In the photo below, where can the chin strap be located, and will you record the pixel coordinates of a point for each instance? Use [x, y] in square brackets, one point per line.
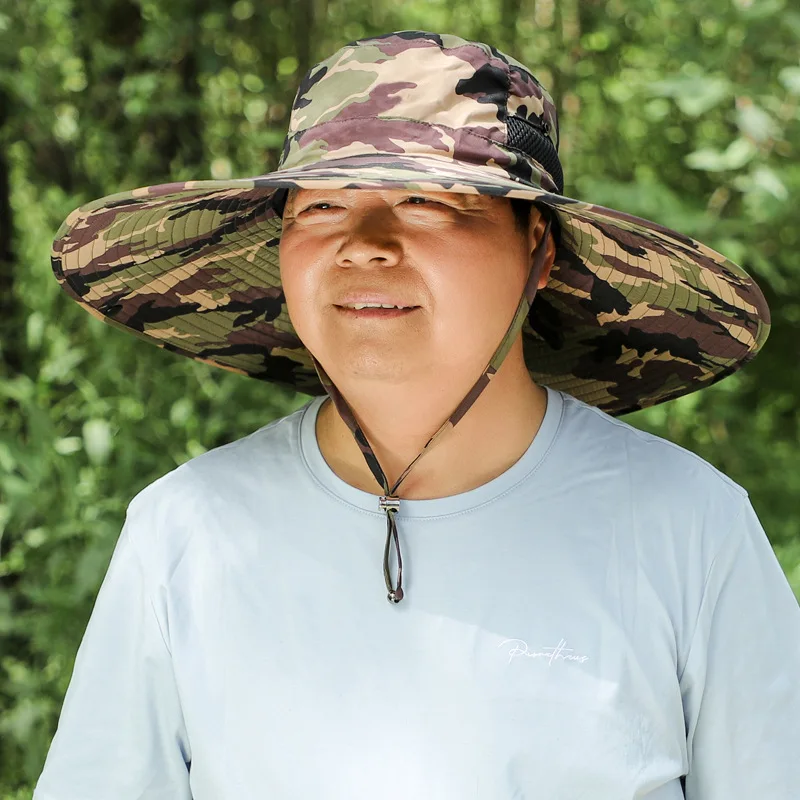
[389, 502]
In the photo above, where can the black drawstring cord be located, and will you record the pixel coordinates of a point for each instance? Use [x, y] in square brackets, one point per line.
[391, 505]
[389, 502]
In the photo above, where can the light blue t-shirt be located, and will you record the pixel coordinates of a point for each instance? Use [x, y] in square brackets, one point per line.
[604, 617]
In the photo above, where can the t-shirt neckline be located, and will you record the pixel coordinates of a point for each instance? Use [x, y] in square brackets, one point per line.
[440, 506]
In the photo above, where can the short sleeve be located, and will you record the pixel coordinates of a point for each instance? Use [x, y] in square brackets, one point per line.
[741, 683]
[121, 733]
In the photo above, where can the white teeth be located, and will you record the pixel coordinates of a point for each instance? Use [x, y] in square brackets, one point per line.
[359, 306]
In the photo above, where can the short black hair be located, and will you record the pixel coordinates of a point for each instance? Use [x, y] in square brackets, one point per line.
[522, 212]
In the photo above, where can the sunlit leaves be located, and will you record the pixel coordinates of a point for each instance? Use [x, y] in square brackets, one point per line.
[738, 153]
[693, 93]
[97, 440]
[754, 122]
[790, 78]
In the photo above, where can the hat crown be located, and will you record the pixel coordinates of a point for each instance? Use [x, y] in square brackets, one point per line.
[421, 93]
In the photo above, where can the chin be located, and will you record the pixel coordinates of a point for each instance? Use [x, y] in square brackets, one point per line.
[370, 364]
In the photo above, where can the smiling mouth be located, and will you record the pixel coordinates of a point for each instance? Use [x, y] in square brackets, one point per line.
[376, 312]
[372, 304]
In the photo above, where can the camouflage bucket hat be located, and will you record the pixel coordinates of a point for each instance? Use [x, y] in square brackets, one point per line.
[633, 314]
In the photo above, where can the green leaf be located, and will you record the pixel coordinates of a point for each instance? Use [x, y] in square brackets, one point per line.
[242, 10]
[273, 138]
[753, 121]
[693, 94]
[97, 440]
[35, 537]
[738, 153]
[287, 66]
[766, 180]
[255, 110]
[181, 411]
[68, 445]
[759, 9]
[7, 461]
[790, 78]
[34, 330]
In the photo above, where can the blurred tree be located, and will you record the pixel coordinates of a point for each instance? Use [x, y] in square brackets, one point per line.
[688, 115]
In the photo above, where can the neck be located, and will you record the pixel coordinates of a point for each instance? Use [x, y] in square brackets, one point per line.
[399, 421]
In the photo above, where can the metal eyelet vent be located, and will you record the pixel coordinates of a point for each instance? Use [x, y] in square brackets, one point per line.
[525, 136]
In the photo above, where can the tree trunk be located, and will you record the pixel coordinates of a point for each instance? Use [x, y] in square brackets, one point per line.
[303, 12]
[11, 343]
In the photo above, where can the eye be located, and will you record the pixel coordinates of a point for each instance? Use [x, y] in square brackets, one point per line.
[414, 200]
[418, 200]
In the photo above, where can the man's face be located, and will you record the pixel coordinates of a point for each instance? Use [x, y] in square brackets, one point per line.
[456, 262]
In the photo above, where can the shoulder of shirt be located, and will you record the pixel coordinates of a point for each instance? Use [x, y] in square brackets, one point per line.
[195, 471]
[651, 460]
[174, 504]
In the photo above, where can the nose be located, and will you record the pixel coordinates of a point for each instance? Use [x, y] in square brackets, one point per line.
[371, 240]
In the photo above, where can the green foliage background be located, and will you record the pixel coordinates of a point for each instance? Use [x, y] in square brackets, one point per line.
[684, 113]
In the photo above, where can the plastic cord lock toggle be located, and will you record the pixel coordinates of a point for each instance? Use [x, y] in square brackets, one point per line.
[389, 503]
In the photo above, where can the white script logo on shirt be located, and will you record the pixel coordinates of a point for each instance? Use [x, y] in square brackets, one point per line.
[520, 648]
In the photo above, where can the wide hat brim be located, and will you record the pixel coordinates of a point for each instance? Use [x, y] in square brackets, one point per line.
[633, 314]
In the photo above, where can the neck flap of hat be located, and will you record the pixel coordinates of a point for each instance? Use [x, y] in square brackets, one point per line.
[389, 502]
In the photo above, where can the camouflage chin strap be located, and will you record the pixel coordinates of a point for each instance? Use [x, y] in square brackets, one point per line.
[390, 502]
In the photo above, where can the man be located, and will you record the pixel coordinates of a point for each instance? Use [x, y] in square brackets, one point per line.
[578, 609]
[404, 370]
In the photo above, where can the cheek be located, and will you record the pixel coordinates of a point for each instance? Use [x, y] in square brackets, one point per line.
[476, 292]
[300, 282]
